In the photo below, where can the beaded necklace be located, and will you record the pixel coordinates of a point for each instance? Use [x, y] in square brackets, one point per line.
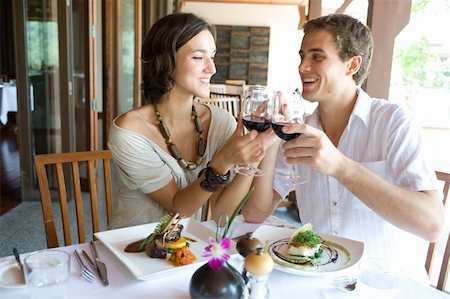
[172, 146]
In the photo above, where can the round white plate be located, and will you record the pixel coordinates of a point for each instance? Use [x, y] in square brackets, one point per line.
[349, 252]
[10, 275]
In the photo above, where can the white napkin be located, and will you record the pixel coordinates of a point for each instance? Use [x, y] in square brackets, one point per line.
[240, 227]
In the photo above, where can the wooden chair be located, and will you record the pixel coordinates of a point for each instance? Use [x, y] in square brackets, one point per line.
[433, 247]
[229, 102]
[232, 87]
[74, 159]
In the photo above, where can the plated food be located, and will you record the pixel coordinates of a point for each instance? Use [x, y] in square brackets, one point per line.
[337, 254]
[166, 242]
[307, 250]
[140, 264]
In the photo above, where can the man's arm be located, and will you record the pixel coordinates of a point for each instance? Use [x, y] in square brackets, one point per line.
[421, 213]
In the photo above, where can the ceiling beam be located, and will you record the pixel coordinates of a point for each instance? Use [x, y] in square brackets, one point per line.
[277, 2]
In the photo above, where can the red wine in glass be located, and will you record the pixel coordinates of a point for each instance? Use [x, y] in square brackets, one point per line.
[288, 109]
[278, 129]
[256, 110]
[258, 124]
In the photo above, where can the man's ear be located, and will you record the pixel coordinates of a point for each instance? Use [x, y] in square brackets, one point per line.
[354, 65]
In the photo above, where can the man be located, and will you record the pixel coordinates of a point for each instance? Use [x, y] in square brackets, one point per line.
[367, 178]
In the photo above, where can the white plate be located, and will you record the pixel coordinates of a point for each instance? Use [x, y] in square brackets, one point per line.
[349, 252]
[10, 274]
[140, 264]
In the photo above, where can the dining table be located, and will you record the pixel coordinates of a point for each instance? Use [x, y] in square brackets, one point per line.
[8, 100]
[175, 285]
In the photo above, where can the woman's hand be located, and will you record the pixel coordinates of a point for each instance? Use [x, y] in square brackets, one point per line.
[243, 148]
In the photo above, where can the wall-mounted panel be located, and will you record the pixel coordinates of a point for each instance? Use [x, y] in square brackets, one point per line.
[242, 54]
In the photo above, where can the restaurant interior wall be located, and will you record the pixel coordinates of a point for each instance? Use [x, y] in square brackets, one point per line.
[285, 37]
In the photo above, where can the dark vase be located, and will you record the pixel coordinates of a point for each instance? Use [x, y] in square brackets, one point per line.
[225, 283]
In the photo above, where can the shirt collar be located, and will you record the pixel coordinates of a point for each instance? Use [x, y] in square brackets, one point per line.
[361, 111]
[362, 107]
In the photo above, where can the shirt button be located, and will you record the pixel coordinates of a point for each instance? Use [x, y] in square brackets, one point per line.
[334, 203]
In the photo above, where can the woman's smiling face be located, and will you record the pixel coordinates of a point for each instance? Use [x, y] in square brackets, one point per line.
[195, 65]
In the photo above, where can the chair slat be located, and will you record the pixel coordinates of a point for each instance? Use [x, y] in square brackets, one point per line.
[93, 196]
[108, 188]
[63, 203]
[78, 201]
[47, 209]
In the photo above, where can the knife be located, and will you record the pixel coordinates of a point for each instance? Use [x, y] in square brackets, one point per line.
[101, 267]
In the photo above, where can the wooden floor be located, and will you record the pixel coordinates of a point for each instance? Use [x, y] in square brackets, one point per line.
[9, 170]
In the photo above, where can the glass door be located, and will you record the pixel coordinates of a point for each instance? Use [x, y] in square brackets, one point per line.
[57, 111]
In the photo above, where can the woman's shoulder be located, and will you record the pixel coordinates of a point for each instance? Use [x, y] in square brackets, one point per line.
[136, 120]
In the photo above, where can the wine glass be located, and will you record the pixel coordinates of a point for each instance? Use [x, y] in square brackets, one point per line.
[257, 107]
[288, 108]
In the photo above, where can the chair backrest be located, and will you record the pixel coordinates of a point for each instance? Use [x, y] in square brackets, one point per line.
[434, 247]
[74, 159]
[232, 87]
[229, 102]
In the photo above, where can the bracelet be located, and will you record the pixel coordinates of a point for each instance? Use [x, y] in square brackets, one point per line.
[213, 181]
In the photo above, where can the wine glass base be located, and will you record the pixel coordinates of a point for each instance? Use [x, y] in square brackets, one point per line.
[248, 170]
[292, 180]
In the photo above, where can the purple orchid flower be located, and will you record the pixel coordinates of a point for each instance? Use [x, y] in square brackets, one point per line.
[218, 252]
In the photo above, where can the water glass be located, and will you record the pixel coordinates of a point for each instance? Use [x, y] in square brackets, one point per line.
[378, 278]
[47, 274]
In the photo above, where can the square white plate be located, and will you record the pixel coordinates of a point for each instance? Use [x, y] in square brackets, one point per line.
[349, 251]
[140, 264]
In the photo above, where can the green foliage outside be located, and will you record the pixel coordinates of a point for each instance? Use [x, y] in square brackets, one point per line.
[420, 66]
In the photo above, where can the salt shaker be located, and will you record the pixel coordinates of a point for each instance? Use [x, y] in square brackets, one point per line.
[259, 265]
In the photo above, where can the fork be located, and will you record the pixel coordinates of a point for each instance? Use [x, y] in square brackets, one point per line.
[85, 274]
[345, 283]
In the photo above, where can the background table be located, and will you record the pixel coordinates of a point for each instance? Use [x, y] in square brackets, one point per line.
[8, 101]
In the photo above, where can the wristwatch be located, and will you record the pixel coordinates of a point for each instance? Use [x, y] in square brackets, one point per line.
[213, 181]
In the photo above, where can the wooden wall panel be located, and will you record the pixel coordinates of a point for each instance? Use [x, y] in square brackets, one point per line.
[242, 54]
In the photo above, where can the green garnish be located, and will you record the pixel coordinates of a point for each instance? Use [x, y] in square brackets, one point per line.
[308, 237]
[164, 222]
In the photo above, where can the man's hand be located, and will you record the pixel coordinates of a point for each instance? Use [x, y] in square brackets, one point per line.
[312, 148]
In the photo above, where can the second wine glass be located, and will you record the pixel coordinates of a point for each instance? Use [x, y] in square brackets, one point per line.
[288, 108]
[257, 108]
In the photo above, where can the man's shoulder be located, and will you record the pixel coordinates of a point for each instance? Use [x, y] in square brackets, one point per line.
[383, 106]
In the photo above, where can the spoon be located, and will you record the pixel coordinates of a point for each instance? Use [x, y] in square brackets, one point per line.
[16, 254]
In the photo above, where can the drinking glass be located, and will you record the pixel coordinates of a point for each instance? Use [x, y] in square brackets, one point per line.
[288, 108]
[257, 106]
[47, 274]
[379, 278]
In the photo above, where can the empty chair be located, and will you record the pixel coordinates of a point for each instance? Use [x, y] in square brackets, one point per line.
[75, 159]
[445, 242]
[229, 102]
[218, 87]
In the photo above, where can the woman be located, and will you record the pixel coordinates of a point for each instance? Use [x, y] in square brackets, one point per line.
[152, 144]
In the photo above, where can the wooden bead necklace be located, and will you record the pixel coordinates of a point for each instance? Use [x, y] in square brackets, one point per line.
[172, 146]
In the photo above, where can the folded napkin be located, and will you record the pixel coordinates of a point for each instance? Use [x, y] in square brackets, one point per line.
[240, 227]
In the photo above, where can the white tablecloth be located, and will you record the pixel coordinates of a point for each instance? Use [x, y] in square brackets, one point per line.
[8, 101]
[176, 286]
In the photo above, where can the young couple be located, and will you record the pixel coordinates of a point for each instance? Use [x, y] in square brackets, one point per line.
[367, 175]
